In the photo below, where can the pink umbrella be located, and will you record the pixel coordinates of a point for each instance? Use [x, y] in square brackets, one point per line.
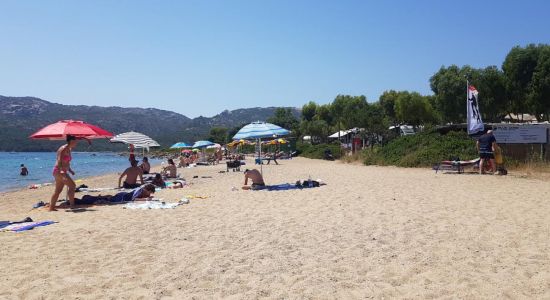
[79, 129]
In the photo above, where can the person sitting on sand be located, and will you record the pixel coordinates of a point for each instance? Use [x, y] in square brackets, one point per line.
[24, 170]
[256, 178]
[132, 173]
[170, 171]
[145, 166]
[157, 181]
[139, 194]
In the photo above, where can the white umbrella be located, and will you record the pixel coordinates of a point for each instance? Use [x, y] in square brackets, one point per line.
[139, 140]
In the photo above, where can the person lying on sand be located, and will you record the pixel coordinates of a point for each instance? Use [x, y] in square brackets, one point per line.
[256, 178]
[140, 194]
[178, 184]
[132, 173]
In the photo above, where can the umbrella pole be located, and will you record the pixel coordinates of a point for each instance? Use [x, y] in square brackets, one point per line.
[260, 157]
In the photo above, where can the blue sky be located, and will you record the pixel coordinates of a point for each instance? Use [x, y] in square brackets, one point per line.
[201, 57]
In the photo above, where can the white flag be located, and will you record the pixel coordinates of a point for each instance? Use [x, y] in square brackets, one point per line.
[475, 124]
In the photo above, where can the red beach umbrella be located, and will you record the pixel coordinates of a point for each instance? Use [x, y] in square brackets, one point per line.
[79, 129]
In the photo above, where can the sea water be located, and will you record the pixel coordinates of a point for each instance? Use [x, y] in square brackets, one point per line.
[40, 166]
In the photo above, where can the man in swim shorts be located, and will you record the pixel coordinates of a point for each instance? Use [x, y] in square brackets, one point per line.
[486, 145]
[257, 180]
[132, 173]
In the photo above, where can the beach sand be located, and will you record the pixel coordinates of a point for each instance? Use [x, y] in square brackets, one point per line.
[371, 232]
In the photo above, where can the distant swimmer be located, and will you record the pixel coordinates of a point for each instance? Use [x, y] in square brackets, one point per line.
[24, 170]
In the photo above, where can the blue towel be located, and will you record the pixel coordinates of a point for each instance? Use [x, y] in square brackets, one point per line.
[31, 225]
[281, 187]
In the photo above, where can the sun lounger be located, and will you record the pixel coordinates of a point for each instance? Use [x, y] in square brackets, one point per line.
[456, 165]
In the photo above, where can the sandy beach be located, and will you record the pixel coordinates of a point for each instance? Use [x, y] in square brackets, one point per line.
[371, 232]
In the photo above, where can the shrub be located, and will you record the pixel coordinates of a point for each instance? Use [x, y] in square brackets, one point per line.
[318, 151]
[422, 150]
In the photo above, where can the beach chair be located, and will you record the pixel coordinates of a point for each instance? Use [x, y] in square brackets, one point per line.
[456, 165]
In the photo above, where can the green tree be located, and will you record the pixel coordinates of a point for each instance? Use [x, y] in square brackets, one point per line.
[309, 110]
[414, 109]
[539, 94]
[218, 135]
[449, 87]
[519, 67]
[387, 103]
[285, 118]
[491, 85]
[318, 129]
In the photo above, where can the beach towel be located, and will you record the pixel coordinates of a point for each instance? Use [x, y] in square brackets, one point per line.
[4, 224]
[281, 187]
[151, 205]
[288, 186]
[25, 226]
[91, 190]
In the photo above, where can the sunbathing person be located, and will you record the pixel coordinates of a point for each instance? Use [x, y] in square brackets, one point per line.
[157, 181]
[139, 194]
[170, 171]
[145, 165]
[257, 180]
[178, 184]
[132, 173]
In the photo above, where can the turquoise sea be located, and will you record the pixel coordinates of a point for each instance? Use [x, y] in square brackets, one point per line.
[40, 165]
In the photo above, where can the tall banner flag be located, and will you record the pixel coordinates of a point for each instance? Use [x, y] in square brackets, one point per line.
[475, 124]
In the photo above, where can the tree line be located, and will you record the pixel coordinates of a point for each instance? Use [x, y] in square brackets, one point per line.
[521, 85]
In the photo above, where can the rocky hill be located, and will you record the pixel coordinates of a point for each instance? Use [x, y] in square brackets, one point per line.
[21, 116]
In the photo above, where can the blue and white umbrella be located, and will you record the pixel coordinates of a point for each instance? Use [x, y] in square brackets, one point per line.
[259, 130]
[202, 144]
[180, 145]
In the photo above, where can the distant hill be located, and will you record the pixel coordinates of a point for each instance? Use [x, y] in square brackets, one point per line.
[22, 116]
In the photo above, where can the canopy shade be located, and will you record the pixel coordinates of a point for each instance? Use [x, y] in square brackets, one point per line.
[180, 145]
[79, 129]
[202, 144]
[139, 140]
[258, 130]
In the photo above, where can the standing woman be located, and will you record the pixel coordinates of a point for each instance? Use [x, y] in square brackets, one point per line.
[60, 172]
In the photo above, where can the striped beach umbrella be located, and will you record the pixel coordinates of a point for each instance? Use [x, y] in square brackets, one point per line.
[260, 130]
[139, 140]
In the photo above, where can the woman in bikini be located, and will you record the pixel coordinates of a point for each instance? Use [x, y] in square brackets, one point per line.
[60, 172]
